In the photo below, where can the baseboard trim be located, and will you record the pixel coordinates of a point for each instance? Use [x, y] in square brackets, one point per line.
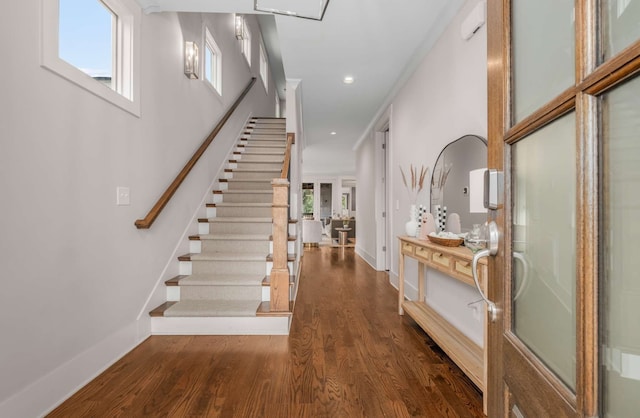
[371, 260]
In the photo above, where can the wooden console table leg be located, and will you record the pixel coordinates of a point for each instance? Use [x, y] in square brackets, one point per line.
[400, 281]
[420, 282]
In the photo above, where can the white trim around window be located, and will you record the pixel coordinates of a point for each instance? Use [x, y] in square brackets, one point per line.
[126, 54]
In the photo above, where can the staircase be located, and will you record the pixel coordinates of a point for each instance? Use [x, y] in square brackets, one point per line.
[223, 286]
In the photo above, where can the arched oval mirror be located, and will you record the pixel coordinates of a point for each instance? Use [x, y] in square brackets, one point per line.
[450, 178]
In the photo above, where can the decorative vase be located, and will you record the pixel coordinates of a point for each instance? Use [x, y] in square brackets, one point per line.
[411, 227]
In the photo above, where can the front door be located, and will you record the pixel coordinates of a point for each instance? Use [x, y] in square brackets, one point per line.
[564, 128]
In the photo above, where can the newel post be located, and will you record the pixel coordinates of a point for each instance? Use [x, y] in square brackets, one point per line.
[279, 277]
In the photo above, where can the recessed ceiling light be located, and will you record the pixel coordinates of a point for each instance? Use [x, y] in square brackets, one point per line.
[348, 80]
[333, 132]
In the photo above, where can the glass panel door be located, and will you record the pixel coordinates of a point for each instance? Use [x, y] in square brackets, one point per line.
[326, 200]
[543, 52]
[621, 25]
[620, 231]
[543, 244]
[307, 199]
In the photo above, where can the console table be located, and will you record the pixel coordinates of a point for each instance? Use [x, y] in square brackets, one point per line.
[456, 263]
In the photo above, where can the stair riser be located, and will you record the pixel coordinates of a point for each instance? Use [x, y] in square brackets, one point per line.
[246, 157]
[268, 121]
[267, 126]
[240, 228]
[213, 246]
[262, 148]
[221, 326]
[254, 175]
[220, 292]
[269, 132]
[248, 185]
[228, 267]
[291, 247]
[264, 140]
[248, 165]
[241, 212]
[247, 198]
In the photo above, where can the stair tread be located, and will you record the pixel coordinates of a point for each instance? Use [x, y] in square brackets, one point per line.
[249, 152]
[220, 256]
[231, 237]
[231, 219]
[240, 161]
[206, 308]
[254, 170]
[264, 310]
[248, 180]
[217, 280]
[290, 257]
[243, 204]
[244, 191]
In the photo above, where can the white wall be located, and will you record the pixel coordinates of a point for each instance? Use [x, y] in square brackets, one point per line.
[368, 179]
[444, 99]
[76, 272]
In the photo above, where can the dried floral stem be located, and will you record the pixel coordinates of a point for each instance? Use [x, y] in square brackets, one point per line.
[417, 181]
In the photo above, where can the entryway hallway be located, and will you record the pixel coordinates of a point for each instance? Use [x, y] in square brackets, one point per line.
[349, 354]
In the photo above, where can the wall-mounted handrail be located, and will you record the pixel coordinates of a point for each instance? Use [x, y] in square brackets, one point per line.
[173, 187]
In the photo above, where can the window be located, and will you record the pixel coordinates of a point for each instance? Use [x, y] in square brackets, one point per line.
[212, 62]
[94, 44]
[263, 67]
[246, 43]
[87, 42]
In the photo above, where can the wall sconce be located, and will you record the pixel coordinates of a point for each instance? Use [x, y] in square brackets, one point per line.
[239, 28]
[191, 59]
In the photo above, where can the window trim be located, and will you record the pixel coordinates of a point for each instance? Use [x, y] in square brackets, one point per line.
[210, 43]
[126, 55]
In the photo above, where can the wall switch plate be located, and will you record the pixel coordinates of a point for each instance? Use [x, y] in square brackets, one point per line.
[123, 198]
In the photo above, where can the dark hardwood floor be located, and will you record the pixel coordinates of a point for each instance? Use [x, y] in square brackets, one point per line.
[349, 354]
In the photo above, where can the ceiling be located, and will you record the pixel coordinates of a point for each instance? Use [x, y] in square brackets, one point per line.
[377, 42]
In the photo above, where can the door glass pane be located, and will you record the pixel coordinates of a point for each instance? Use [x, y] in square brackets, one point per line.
[544, 245]
[621, 25]
[326, 201]
[307, 199]
[542, 52]
[620, 263]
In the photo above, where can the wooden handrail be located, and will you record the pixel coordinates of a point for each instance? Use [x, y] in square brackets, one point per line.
[291, 139]
[173, 187]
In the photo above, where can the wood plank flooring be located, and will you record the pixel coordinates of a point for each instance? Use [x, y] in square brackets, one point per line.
[349, 355]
